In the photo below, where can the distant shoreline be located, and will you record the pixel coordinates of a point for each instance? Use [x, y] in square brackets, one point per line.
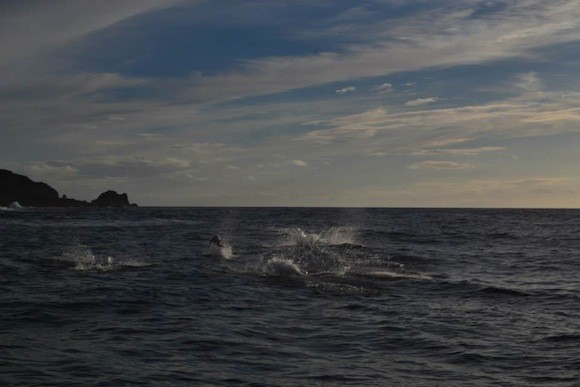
[15, 188]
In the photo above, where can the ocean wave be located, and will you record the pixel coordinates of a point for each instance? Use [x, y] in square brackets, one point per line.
[377, 273]
[337, 288]
[13, 208]
[565, 338]
[471, 358]
[476, 288]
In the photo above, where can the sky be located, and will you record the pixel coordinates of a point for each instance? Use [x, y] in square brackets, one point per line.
[378, 103]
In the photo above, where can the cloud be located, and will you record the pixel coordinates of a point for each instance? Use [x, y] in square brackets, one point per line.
[38, 29]
[529, 81]
[439, 165]
[421, 129]
[457, 151]
[119, 166]
[53, 169]
[421, 101]
[498, 186]
[437, 37]
[300, 163]
[445, 141]
[68, 86]
[385, 88]
[345, 90]
[356, 126]
[174, 163]
[444, 36]
[554, 116]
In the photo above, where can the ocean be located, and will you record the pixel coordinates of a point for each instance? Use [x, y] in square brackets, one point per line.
[296, 297]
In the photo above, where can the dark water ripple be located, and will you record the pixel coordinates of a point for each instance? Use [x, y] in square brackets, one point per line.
[304, 297]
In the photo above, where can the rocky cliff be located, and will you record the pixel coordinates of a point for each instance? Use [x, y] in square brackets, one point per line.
[19, 188]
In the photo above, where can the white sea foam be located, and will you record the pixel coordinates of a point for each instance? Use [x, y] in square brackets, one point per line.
[224, 251]
[330, 236]
[82, 258]
[14, 206]
[310, 253]
[338, 236]
[333, 252]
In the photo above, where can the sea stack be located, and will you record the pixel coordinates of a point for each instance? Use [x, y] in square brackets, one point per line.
[112, 199]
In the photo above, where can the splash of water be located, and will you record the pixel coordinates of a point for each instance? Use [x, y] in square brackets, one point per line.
[14, 206]
[224, 251]
[302, 253]
[332, 236]
[336, 236]
[82, 258]
[330, 253]
[282, 267]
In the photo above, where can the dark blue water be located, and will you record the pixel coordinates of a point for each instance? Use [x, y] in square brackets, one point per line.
[298, 297]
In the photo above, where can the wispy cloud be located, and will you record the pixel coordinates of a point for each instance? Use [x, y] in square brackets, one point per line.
[439, 165]
[38, 30]
[438, 37]
[52, 169]
[523, 115]
[385, 88]
[356, 126]
[457, 151]
[421, 101]
[300, 163]
[345, 90]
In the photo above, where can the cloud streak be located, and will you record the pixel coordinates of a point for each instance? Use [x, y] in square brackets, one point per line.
[345, 90]
[436, 38]
[37, 29]
[458, 151]
[439, 165]
[421, 101]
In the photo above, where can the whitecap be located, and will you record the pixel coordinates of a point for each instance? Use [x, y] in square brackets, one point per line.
[15, 206]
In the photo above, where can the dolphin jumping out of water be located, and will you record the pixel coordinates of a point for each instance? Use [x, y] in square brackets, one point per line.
[215, 241]
[218, 248]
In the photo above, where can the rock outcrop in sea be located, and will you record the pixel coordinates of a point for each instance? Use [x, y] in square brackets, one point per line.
[19, 188]
[111, 199]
